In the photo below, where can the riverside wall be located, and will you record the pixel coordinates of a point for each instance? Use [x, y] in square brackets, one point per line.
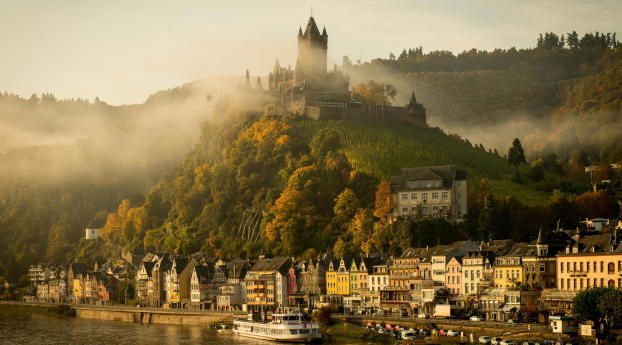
[152, 316]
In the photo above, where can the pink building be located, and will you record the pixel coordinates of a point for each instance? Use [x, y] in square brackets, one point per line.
[452, 276]
[291, 281]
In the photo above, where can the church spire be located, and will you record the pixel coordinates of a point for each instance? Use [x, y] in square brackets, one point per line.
[539, 241]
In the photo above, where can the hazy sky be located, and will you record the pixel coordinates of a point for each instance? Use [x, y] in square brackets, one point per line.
[124, 50]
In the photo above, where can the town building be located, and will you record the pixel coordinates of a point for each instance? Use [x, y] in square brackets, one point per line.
[198, 288]
[453, 276]
[439, 192]
[266, 286]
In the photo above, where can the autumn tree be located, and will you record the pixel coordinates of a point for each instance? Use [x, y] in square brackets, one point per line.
[374, 93]
[384, 202]
[346, 205]
[595, 204]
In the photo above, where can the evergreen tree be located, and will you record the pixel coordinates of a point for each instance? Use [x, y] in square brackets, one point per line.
[516, 155]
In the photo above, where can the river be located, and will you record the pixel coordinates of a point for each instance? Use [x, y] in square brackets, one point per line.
[25, 329]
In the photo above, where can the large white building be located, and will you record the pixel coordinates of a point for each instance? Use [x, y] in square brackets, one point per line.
[430, 192]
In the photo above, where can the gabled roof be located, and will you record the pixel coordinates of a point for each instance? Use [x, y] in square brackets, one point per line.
[447, 173]
[148, 267]
[277, 264]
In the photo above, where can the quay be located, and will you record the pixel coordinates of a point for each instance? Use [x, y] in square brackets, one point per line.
[142, 315]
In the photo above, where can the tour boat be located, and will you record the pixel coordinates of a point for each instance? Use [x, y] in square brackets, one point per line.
[286, 327]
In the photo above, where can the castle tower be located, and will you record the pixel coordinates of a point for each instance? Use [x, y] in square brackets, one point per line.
[312, 47]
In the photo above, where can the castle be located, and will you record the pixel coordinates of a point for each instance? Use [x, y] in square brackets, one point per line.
[312, 90]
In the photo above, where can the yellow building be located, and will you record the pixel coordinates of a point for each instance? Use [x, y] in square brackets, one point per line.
[508, 269]
[331, 278]
[343, 278]
[353, 278]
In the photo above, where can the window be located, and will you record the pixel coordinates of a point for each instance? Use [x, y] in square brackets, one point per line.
[459, 195]
[561, 267]
[541, 267]
[405, 209]
[587, 266]
[424, 196]
[435, 195]
[602, 268]
[444, 195]
[404, 196]
[611, 268]
[437, 184]
[561, 283]
[413, 196]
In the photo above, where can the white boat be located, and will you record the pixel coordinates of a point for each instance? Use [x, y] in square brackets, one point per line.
[286, 327]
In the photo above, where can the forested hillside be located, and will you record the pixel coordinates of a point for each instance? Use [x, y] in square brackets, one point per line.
[484, 95]
[295, 186]
[67, 163]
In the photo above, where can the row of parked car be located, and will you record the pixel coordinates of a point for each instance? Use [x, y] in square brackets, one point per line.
[500, 341]
[407, 333]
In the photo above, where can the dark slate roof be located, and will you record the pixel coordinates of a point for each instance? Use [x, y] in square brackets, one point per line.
[276, 264]
[181, 263]
[311, 29]
[237, 269]
[521, 249]
[78, 268]
[594, 243]
[149, 267]
[203, 272]
[447, 173]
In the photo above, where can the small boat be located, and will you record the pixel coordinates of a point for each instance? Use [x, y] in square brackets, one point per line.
[285, 327]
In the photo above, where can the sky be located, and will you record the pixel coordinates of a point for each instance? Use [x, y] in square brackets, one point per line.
[124, 50]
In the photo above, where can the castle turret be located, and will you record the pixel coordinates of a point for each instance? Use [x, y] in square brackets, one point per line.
[312, 48]
[413, 101]
[259, 87]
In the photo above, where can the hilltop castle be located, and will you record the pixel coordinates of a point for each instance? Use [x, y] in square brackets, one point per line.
[312, 90]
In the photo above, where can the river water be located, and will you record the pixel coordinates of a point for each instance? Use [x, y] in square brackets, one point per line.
[26, 329]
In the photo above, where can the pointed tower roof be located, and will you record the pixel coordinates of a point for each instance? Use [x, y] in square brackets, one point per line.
[259, 86]
[299, 32]
[540, 240]
[311, 30]
[412, 104]
[324, 32]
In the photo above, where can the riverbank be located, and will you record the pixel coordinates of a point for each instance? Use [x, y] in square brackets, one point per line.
[60, 310]
[123, 313]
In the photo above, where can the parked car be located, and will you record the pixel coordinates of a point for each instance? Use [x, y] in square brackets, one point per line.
[530, 343]
[496, 341]
[409, 335]
[512, 321]
[506, 342]
[475, 318]
[381, 331]
[452, 333]
[425, 332]
[442, 332]
[484, 340]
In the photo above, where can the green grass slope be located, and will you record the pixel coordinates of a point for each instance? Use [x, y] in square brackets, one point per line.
[382, 150]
